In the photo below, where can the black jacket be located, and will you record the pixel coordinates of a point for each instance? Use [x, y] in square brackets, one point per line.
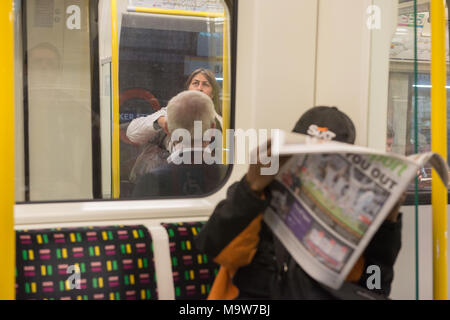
[267, 277]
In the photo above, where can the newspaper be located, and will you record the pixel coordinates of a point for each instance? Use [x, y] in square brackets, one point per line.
[330, 198]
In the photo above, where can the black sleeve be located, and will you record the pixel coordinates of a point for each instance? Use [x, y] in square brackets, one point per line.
[382, 251]
[230, 217]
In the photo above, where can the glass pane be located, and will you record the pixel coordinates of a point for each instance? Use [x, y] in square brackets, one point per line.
[105, 125]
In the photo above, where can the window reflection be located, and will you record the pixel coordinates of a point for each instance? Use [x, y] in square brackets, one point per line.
[160, 56]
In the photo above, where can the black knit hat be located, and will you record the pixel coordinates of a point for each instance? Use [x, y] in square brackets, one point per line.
[328, 123]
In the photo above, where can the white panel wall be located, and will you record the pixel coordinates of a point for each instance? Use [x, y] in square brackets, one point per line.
[104, 29]
[343, 60]
[379, 72]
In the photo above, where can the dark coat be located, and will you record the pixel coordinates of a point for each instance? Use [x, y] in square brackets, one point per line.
[269, 277]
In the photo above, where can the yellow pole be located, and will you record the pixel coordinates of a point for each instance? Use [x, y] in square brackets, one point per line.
[225, 88]
[439, 145]
[7, 235]
[115, 95]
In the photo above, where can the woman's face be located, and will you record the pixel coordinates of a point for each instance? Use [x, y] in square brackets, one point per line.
[200, 83]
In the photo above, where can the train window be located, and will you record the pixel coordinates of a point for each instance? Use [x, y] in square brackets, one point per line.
[56, 109]
[410, 85]
[69, 122]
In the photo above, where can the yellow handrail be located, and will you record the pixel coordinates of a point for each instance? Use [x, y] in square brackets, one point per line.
[7, 236]
[115, 96]
[439, 145]
[178, 12]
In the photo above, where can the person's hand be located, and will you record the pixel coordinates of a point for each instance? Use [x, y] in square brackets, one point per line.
[161, 121]
[256, 181]
[393, 215]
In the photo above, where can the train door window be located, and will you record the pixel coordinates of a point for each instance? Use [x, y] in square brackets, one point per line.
[164, 49]
[65, 98]
[407, 87]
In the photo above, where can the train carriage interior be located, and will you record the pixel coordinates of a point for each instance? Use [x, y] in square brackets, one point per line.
[84, 70]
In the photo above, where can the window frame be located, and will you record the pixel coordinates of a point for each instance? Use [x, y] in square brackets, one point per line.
[85, 210]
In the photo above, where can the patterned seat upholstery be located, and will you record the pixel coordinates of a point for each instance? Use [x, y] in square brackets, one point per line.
[114, 262]
[193, 271]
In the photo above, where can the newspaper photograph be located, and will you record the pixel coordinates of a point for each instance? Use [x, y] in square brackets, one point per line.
[329, 199]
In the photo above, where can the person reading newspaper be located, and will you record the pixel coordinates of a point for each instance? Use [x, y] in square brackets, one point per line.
[255, 265]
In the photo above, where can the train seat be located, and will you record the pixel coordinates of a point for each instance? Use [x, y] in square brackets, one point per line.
[112, 262]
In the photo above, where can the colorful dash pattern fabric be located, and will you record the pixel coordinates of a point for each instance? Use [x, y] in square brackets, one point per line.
[193, 271]
[92, 263]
